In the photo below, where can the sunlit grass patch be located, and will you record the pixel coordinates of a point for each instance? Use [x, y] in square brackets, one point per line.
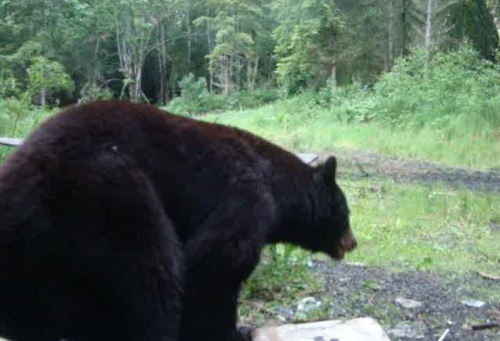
[318, 129]
[411, 227]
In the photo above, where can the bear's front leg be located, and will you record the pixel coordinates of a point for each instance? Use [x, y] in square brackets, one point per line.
[212, 317]
[220, 257]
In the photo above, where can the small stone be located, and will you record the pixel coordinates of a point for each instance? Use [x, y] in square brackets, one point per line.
[408, 303]
[474, 303]
[308, 304]
[284, 313]
[412, 330]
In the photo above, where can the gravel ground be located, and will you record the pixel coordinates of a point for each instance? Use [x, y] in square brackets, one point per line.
[361, 164]
[356, 290]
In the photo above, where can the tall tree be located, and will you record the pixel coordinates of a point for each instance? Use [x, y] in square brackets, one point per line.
[236, 24]
[306, 42]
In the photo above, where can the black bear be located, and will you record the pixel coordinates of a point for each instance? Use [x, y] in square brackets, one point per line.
[119, 221]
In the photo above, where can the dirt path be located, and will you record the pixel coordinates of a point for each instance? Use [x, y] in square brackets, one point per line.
[357, 290]
[358, 164]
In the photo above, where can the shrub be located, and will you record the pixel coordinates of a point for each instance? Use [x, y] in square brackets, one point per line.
[455, 85]
[195, 99]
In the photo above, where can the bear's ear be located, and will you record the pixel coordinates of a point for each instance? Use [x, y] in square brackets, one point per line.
[327, 171]
[330, 168]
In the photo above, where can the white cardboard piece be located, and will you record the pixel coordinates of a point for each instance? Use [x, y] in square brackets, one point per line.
[359, 329]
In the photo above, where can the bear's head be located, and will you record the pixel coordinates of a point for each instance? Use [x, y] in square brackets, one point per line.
[328, 229]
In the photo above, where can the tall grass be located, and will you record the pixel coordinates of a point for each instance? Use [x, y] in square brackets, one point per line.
[18, 118]
[448, 113]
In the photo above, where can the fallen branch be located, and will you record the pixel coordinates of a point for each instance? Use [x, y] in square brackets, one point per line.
[489, 276]
[482, 326]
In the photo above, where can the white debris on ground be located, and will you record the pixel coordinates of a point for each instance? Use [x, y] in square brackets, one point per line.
[408, 303]
[360, 329]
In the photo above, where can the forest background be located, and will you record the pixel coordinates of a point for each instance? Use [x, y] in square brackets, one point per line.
[61, 51]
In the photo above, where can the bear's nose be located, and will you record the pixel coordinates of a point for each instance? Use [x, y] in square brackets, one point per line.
[349, 242]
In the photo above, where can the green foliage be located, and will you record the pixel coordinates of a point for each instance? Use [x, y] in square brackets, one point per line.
[27, 72]
[283, 273]
[48, 76]
[305, 42]
[245, 99]
[195, 98]
[458, 87]
[147, 46]
[93, 92]
[18, 117]
[448, 114]
[282, 278]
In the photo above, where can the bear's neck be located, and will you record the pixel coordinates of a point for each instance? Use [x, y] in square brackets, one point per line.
[293, 195]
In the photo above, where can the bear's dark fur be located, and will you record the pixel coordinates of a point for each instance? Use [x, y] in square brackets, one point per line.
[116, 219]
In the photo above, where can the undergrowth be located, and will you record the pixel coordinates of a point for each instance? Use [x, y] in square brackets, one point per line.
[449, 113]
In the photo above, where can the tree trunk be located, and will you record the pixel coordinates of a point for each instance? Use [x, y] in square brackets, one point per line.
[428, 31]
[189, 35]
[404, 28]
[333, 77]
[252, 71]
[162, 65]
[226, 64]
[255, 71]
[495, 13]
[391, 34]
[210, 49]
[43, 95]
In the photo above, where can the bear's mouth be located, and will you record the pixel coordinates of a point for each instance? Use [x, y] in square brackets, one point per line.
[346, 244]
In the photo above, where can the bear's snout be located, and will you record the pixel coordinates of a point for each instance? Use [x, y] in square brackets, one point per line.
[349, 242]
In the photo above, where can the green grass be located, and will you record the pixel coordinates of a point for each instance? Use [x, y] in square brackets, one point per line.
[283, 276]
[318, 130]
[410, 227]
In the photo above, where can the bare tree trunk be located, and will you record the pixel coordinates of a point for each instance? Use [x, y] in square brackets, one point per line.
[494, 7]
[43, 95]
[252, 71]
[162, 64]
[134, 43]
[136, 89]
[333, 77]
[189, 34]
[237, 72]
[428, 31]
[391, 33]
[255, 71]
[404, 27]
[226, 74]
[210, 49]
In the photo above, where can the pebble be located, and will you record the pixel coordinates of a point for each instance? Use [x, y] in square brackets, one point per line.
[408, 303]
[473, 303]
